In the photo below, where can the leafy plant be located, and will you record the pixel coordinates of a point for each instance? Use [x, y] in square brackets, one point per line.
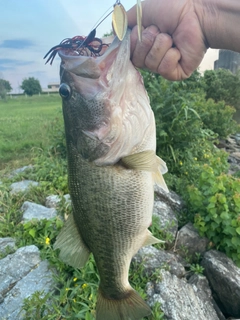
[215, 200]
[196, 269]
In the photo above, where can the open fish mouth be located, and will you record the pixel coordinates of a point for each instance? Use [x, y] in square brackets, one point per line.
[94, 49]
[80, 46]
[91, 60]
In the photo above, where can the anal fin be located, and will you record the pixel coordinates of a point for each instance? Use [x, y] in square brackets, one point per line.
[73, 251]
[150, 239]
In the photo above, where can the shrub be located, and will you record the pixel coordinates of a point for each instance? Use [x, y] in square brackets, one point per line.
[215, 200]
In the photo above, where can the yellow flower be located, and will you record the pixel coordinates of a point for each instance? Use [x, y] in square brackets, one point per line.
[90, 297]
[180, 162]
[67, 289]
[47, 241]
[195, 159]
[74, 279]
[84, 286]
[74, 300]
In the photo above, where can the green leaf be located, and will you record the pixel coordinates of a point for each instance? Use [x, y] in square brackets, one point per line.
[236, 241]
[224, 215]
[32, 232]
[238, 230]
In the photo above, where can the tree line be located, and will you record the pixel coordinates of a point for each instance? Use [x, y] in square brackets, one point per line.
[30, 86]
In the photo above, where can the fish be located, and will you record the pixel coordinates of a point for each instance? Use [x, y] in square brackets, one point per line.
[112, 168]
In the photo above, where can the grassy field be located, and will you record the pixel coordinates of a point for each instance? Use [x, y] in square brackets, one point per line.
[24, 124]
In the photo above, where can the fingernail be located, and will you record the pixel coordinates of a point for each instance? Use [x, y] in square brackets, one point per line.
[153, 30]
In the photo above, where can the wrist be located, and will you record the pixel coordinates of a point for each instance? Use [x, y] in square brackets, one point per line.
[220, 23]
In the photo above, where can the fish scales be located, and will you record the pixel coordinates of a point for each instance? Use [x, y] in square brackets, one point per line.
[112, 168]
[116, 208]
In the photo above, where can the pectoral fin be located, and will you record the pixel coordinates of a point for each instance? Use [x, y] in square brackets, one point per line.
[147, 161]
[72, 249]
[150, 239]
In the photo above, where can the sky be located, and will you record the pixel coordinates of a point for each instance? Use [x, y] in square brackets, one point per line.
[29, 28]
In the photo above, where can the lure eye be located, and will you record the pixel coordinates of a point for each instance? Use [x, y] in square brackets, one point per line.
[64, 90]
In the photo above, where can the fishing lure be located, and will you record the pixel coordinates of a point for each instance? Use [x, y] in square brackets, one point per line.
[139, 19]
[92, 46]
[88, 46]
[119, 20]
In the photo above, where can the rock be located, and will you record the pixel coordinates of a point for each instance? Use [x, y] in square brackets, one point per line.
[236, 155]
[20, 170]
[53, 200]
[15, 266]
[22, 274]
[7, 245]
[202, 284]
[189, 242]
[153, 259]
[22, 186]
[32, 210]
[166, 217]
[224, 278]
[170, 198]
[180, 300]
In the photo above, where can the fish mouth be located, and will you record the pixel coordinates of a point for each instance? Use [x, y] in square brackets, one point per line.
[92, 60]
[94, 49]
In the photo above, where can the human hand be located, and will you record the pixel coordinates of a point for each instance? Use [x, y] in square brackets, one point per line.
[173, 43]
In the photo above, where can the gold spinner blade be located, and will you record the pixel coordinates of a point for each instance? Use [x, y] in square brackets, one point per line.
[139, 19]
[119, 20]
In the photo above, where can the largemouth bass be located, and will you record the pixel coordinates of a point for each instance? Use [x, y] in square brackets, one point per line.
[112, 167]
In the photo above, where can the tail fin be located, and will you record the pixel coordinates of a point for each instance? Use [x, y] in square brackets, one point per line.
[133, 307]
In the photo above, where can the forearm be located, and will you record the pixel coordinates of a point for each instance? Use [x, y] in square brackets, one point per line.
[220, 22]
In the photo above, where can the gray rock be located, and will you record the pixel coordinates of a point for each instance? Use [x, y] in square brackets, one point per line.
[189, 242]
[22, 186]
[53, 200]
[236, 155]
[202, 284]
[20, 170]
[166, 217]
[153, 259]
[39, 279]
[17, 265]
[170, 198]
[224, 278]
[32, 210]
[180, 300]
[7, 245]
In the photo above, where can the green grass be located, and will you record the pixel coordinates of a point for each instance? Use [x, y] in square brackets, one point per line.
[25, 124]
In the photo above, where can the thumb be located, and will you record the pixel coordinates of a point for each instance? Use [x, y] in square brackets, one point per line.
[132, 16]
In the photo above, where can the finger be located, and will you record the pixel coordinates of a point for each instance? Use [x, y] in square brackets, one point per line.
[170, 66]
[140, 49]
[148, 18]
[162, 43]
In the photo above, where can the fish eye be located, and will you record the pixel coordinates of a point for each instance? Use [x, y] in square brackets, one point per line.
[64, 90]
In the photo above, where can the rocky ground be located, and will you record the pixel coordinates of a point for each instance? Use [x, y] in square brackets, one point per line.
[184, 293]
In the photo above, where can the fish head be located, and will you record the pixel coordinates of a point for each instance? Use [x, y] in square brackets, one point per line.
[102, 97]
